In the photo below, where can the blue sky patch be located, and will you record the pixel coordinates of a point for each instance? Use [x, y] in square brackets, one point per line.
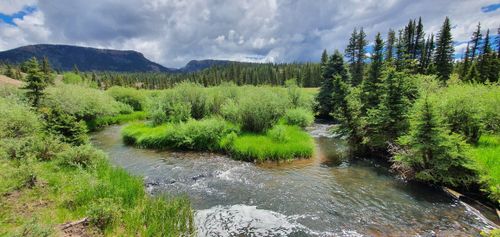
[490, 8]
[9, 19]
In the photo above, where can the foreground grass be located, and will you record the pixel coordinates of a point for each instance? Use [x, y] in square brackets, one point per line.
[114, 201]
[280, 143]
[486, 157]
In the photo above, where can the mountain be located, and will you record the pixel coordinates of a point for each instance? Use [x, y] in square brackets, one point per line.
[64, 57]
[198, 65]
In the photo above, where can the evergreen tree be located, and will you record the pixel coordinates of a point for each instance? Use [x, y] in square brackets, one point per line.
[47, 70]
[350, 51]
[431, 153]
[347, 110]
[389, 48]
[476, 41]
[426, 59]
[487, 64]
[419, 42]
[389, 120]
[444, 52]
[400, 53]
[358, 72]
[371, 87]
[36, 82]
[334, 67]
[465, 65]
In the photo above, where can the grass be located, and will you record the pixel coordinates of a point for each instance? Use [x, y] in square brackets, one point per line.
[200, 135]
[63, 194]
[486, 157]
[103, 121]
[288, 143]
[282, 142]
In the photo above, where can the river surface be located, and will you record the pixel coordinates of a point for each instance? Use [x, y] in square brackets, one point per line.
[327, 195]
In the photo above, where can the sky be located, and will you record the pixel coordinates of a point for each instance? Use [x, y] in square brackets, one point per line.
[173, 32]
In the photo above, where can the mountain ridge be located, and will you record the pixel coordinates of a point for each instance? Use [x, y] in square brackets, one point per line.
[64, 57]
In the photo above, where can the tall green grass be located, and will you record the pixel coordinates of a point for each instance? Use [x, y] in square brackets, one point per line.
[486, 160]
[202, 134]
[104, 121]
[280, 143]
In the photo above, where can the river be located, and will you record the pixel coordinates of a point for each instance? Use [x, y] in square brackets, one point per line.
[327, 195]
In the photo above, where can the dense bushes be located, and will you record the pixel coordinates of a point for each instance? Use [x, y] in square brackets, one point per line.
[83, 102]
[135, 98]
[300, 117]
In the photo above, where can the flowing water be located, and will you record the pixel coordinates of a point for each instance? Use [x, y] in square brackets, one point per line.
[327, 195]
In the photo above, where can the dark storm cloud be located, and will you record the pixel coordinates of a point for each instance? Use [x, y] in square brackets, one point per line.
[173, 32]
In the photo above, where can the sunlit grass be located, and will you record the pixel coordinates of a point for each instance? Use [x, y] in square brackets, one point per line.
[486, 157]
[289, 143]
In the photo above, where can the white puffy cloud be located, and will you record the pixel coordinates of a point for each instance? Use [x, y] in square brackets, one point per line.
[172, 32]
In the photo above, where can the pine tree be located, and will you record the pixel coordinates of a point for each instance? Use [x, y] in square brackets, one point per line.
[444, 52]
[389, 120]
[426, 59]
[419, 40]
[47, 70]
[389, 48]
[431, 152]
[350, 50]
[334, 67]
[400, 53]
[347, 110]
[358, 72]
[371, 87]
[487, 64]
[36, 82]
[476, 41]
[465, 64]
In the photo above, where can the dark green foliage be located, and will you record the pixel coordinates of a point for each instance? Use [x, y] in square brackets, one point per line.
[306, 75]
[389, 48]
[335, 67]
[372, 86]
[430, 153]
[347, 110]
[488, 65]
[66, 126]
[36, 82]
[389, 120]
[444, 52]
[476, 41]
[356, 55]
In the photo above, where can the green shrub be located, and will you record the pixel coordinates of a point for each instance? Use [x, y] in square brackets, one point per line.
[82, 102]
[34, 228]
[133, 97]
[196, 96]
[230, 111]
[282, 143]
[66, 126]
[72, 78]
[17, 120]
[300, 117]
[102, 213]
[169, 107]
[260, 111]
[80, 156]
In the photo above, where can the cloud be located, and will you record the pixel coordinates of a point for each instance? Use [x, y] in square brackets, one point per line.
[172, 32]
